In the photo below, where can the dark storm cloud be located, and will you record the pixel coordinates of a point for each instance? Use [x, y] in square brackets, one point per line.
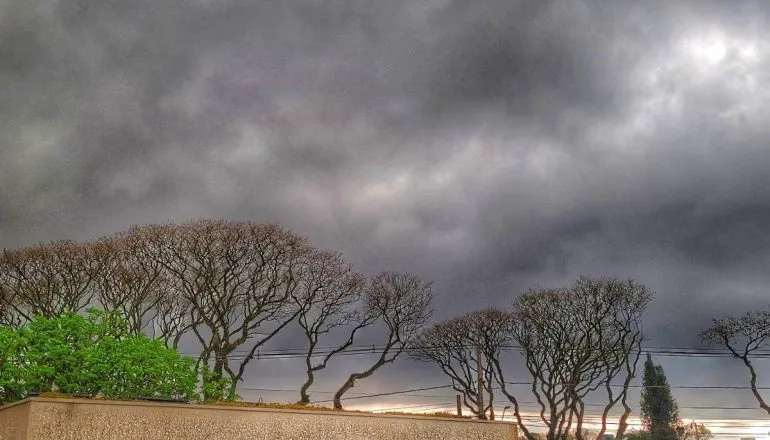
[490, 146]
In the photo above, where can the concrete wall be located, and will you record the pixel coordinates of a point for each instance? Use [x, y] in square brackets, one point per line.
[76, 419]
[13, 421]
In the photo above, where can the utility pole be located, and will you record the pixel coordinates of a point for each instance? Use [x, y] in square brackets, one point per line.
[480, 380]
[459, 406]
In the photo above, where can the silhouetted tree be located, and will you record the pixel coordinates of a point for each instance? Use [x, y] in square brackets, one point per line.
[574, 341]
[129, 282]
[9, 315]
[329, 299]
[451, 345]
[660, 412]
[48, 279]
[623, 335]
[743, 336]
[401, 302]
[237, 279]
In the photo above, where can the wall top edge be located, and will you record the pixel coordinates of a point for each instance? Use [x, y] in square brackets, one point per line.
[84, 401]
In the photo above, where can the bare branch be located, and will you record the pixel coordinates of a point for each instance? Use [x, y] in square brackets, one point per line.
[327, 297]
[451, 345]
[576, 340]
[401, 302]
[129, 282]
[236, 280]
[49, 279]
[743, 336]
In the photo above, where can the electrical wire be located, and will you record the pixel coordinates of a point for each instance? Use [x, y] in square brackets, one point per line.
[362, 350]
[288, 353]
[393, 393]
[407, 393]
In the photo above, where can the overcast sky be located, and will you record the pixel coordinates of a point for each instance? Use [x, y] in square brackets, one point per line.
[486, 145]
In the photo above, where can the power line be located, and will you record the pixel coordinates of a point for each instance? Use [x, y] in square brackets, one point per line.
[388, 394]
[431, 405]
[523, 402]
[693, 387]
[359, 350]
[651, 349]
[274, 390]
[375, 349]
[723, 423]
[444, 396]
[685, 387]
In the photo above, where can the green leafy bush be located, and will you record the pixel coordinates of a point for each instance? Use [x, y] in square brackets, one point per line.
[94, 355]
[216, 388]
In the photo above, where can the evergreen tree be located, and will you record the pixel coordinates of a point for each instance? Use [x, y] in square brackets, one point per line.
[660, 412]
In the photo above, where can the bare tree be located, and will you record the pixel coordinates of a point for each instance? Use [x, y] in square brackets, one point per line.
[238, 278]
[328, 299]
[619, 335]
[130, 283]
[544, 328]
[743, 336]
[452, 346]
[173, 317]
[9, 316]
[160, 294]
[9, 298]
[629, 361]
[401, 301]
[49, 279]
[574, 341]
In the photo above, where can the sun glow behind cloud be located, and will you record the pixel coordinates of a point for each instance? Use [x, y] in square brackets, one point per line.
[712, 48]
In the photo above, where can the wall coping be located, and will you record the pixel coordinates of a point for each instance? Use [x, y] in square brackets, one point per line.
[141, 403]
[16, 403]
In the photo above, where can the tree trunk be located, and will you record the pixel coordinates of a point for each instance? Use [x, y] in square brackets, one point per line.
[491, 404]
[219, 365]
[501, 381]
[383, 359]
[754, 390]
[304, 396]
[623, 421]
[344, 389]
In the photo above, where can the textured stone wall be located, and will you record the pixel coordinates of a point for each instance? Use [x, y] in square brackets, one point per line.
[75, 419]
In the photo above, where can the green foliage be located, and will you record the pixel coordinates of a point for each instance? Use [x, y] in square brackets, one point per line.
[637, 435]
[94, 355]
[217, 388]
[660, 413]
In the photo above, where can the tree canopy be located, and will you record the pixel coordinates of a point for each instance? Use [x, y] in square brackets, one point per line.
[95, 355]
[230, 286]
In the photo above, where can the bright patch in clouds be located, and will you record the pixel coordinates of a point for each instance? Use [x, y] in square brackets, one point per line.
[712, 48]
[385, 190]
[749, 52]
